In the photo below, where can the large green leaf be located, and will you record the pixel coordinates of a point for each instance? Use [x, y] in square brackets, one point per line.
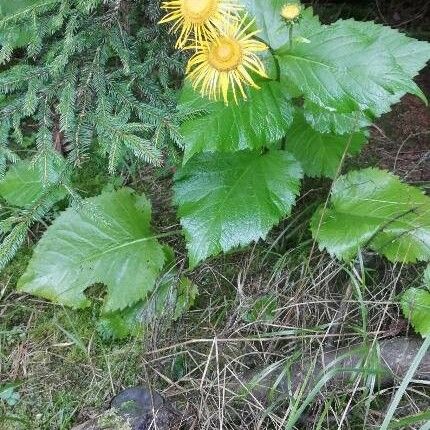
[15, 36]
[329, 121]
[320, 154]
[259, 121]
[230, 200]
[171, 298]
[416, 307]
[349, 66]
[23, 185]
[114, 246]
[410, 54]
[373, 208]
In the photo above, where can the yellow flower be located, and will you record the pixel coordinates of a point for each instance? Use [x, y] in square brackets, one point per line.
[224, 61]
[291, 12]
[199, 17]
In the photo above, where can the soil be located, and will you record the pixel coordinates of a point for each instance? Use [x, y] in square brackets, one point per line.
[400, 140]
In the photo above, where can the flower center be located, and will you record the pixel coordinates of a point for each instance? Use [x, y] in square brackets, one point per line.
[225, 54]
[198, 11]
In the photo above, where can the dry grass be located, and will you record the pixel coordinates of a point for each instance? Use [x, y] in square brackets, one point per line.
[204, 363]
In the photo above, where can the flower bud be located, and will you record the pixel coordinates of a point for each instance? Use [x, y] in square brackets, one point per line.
[291, 12]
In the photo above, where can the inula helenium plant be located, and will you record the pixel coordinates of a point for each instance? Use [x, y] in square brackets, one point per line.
[243, 98]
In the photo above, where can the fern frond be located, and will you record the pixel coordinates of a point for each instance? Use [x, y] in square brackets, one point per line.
[12, 242]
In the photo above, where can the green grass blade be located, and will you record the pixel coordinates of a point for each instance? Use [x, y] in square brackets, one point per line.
[411, 420]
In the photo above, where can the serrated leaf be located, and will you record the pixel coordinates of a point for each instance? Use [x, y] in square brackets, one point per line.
[346, 68]
[326, 121]
[320, 154]
[231, 200]
[115, 246]
[410, 54]
[187, 293]
[23, 185]
[373, 208]
[416, 308]
[171, 298]
[254, 123]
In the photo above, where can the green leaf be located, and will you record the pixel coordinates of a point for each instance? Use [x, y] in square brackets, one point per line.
[261, 120]
[410, 420]
[113, 246]
[23, 185]
[9, 393]
[187, 293]
[171, 298]
[230, 200]
[410, 54]
[18, 36]
[326, 121]
[320, 154]
[416, 308]
[120, 324]
[347, 68]
[373, 208]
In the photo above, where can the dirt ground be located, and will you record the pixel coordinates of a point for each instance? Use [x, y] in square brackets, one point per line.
[400, 140]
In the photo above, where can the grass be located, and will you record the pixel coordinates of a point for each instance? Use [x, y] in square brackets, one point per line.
[264, 308]
[65, 372]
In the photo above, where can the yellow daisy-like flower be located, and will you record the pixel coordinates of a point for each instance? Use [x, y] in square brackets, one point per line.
[224, 61]
[291, 12]
[199, 17]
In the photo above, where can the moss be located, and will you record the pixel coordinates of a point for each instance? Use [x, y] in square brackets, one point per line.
[112, 421]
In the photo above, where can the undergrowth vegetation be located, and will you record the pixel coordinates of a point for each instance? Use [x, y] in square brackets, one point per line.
[178, 178]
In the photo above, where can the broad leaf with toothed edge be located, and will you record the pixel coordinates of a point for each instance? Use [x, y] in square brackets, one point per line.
[115, 247]
[23, 185]
[231, 200]
[373, 208]
[254, 123]
[171, 298]
[320, 154]
[349, 66]
[409, 54]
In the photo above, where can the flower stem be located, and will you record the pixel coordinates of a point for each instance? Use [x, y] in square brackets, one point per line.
[291, 31]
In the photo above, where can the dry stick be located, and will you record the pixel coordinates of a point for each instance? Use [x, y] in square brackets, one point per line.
[258, 339]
